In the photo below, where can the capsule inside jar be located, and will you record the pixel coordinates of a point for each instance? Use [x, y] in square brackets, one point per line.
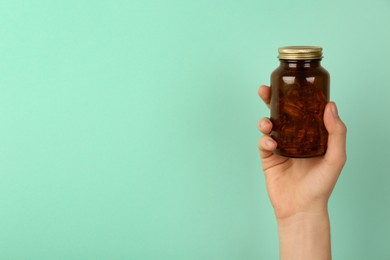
[300, 92]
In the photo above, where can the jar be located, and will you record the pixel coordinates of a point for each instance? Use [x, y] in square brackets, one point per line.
[299, 94]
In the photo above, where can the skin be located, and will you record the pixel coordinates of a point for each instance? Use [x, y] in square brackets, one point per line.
[299, 189]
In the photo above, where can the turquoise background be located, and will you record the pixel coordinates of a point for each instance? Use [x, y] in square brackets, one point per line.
[128, 128]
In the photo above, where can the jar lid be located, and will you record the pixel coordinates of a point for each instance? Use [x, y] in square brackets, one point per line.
[300, 53]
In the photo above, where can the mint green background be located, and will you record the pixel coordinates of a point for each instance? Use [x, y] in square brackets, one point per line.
[128, 128]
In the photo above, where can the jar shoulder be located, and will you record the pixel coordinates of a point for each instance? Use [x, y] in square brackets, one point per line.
[323, 70]
[278, 71]
[317, 71]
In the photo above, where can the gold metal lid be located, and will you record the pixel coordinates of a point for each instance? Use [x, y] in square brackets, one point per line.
[300, 53]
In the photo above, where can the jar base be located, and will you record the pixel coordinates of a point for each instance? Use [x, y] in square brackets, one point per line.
[299, 156]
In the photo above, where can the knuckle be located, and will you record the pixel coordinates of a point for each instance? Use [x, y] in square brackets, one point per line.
[260, 143]
[342, 128]
[343, 159]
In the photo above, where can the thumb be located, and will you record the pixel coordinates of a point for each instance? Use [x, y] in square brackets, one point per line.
[336, 151]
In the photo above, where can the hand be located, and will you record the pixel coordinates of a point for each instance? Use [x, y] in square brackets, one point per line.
[299, 189]
[302, 185]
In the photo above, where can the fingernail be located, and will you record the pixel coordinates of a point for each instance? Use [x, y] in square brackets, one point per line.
[263, 124]
[269, 143]
[334, 111]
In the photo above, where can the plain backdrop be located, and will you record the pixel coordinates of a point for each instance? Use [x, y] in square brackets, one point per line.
[128, 128]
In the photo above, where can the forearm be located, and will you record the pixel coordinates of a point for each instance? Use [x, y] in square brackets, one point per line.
[305, 236]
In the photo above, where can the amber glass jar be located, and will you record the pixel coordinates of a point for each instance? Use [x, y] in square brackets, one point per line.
[300, 92]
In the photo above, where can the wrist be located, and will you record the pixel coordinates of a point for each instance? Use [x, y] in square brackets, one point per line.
[305, 235]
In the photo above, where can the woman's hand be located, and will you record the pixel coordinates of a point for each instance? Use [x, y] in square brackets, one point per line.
[302, 185]
[299, 189]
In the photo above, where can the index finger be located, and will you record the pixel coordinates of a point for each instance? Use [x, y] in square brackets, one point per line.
[265, 94]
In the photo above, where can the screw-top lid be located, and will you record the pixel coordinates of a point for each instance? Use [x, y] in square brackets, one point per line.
[300, 53]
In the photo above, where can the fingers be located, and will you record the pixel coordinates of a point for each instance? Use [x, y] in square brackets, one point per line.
[336, 151]
[266, 143]
[265, 126]
[266, 146]
[265, 94]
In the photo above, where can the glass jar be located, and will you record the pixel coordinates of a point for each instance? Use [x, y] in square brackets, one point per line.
[299, 94]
